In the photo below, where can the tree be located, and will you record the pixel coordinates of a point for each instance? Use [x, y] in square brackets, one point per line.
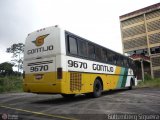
[17, 50]
[6, 68]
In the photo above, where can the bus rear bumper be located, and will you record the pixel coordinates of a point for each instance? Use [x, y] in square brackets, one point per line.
[42, 88]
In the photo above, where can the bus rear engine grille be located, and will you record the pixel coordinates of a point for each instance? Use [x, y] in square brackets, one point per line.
[75, 81]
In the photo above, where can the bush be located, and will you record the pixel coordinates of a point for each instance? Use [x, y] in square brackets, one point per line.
[10, 83]
[150, 83]
[147, 77]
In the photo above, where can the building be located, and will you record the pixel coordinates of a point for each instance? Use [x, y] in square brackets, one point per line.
[140, 31]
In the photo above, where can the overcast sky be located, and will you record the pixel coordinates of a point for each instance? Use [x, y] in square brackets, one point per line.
[95, 20]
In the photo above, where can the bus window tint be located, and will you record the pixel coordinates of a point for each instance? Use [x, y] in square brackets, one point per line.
[98, 53]
[110, 56]
[82, 48]
[122, 61]
[72, 45]
[125, 62]
[104, 55]
[130, 63]
[91, 51]
[114, 58]
[119, 61]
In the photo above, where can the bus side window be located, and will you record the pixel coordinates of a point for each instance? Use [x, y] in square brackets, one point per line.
[122, 61]
[91, 51]
[126, 62]
[110, 56]
[130, 63]
[72, 45]
[114, 58]
[104, 55]
[98, 53]
[119, 60]
[82, 48]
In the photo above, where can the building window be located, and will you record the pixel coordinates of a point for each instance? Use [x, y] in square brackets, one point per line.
[143, 52]
[155, 50]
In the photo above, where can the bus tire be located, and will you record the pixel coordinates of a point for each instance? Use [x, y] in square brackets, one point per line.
[97, 88]
[88, 95]
[68, 95]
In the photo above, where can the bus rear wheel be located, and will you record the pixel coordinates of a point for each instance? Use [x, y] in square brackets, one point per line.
[68, 95]
[97, 88]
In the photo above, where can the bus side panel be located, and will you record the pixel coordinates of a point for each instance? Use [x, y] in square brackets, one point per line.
[113, 79]
[129, 77]
[125, 77]
[87, 81]
[121, 78]
[77, 82]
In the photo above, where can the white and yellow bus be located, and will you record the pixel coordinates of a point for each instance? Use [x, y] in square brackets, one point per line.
[59, 62]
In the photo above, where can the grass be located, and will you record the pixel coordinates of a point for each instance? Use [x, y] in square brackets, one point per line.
[11, 84]
[149, 82]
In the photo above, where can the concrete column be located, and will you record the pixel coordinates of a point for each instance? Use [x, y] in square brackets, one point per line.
[122, 36]
[142, 68]
[152, 75]
[148, 45]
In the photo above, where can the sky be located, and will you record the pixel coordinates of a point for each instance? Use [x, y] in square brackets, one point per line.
[95, 20]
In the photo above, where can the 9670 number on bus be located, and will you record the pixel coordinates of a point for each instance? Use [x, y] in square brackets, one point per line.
[77, 64]
[39, 68]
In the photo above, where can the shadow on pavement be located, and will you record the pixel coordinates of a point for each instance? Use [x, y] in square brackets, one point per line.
[60, 100]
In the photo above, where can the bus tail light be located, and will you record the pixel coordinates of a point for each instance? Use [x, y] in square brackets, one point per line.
[59, 73]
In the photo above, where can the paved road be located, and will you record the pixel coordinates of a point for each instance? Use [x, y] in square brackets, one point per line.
[141, 101]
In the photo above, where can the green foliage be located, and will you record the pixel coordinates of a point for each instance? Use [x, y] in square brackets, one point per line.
[147, 77]
[150, 83]
[6, 68]
[10, 83]
[17, 50]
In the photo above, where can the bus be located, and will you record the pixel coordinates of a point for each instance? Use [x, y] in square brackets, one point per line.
[59, 62]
